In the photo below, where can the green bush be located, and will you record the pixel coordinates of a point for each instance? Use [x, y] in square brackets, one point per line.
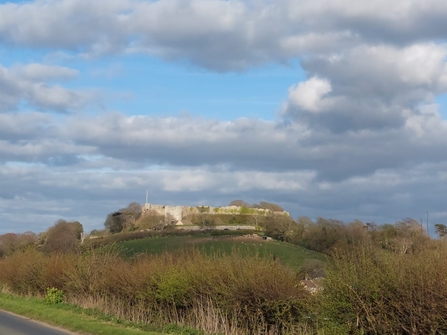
[54, 296]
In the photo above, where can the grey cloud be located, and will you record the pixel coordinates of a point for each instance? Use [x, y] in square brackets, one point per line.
[220, 35]
[361, 136]
[124, 143]
[401, 22]
[385, 196]
[69, 24]
[20, 126]
[368, 87]
[29, 83]
[370, 175]
[263, 145]
[41, 151]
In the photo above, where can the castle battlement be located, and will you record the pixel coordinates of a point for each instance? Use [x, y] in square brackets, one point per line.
[177, 213]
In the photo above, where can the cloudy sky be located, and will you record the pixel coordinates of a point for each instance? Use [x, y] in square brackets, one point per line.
[333, 108]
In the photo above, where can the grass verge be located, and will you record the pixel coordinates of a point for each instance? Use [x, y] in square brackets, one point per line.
[76, 319]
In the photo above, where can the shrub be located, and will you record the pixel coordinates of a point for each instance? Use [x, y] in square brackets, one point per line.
[376, 291]
[224, 294]
[64, 236]
[54, 296]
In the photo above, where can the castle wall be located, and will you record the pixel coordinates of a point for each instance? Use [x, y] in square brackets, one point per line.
[177, 213]
[174, 213]
[153, 209]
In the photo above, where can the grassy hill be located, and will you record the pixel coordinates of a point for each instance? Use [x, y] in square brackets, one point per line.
[288, 254]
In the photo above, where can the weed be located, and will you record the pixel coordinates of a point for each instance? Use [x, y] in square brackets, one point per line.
[54, 296]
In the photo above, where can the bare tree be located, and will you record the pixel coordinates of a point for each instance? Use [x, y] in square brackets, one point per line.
[273, 207]
[280, 227]
[123, 219]
[64, 236]
[151, 220]
[134, 209]
[9, 243]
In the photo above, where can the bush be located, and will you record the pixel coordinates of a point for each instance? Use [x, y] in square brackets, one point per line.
[54, 296]
[64, 236]
[216, 294]
[376, 291]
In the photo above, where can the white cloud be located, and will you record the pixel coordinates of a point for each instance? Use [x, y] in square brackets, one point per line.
[131, 143]
[309, 95]
[67, 24]
[217, 34]
[42, 72]
[368, 87]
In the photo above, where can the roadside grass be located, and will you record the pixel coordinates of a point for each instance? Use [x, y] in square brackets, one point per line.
[288, 254]
[80, 320]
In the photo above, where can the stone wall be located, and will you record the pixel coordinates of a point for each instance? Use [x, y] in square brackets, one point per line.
[153, 209]
[173, 213]
[176, 213]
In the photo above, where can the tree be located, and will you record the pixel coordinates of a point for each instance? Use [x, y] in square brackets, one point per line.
[402, 237]
[273, 207]
[134, 209]
[206, 220]
[441, 230]
[151, 220]
[255, 206]
[114, 223]
[9, 243]
[240, 203]
[323, 235]
[254, 220]
[123, 219]
[98, 232]
[310, 269]
[64, 236]
[280, 227]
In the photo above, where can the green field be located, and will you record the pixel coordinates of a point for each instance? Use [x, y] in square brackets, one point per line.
[286, 253]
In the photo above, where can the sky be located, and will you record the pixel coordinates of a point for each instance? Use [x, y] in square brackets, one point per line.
[330, 108]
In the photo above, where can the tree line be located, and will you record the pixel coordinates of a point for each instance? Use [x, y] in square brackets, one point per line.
[63, 236]
[380, 279]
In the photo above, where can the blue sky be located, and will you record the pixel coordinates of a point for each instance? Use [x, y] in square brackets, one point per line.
[333, 109]
[144, 85]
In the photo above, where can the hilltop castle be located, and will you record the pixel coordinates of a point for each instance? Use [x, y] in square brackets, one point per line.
[178, 213]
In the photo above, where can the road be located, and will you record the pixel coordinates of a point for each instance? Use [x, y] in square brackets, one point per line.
[11, 324]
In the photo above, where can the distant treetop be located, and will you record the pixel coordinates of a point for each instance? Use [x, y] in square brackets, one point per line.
[273, 207]
[240, 203]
